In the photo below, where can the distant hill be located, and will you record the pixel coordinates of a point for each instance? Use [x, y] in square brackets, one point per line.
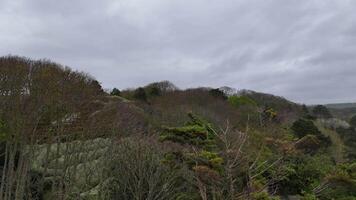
[343, 110]
[341, 105]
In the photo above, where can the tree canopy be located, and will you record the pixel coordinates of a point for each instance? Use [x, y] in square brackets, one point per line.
[321, 111]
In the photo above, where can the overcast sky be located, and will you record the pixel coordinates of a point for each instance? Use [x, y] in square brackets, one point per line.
[304, 50]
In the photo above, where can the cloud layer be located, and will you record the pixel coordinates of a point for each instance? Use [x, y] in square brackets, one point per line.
[304, 50]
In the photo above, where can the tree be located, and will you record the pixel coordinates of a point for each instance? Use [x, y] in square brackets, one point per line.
[321, 112]
[238, 101]
[39, 100]
[305, 109]
[136, 171]
[353, 121]
[115, 92]
[302, 173]
[217, 93]
[303, 127]
[154, 91]
[140, 94]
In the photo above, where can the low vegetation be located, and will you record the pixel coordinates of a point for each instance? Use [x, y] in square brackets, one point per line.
[63, 137]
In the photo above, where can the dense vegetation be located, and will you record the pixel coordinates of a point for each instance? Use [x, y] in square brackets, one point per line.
[63, 137]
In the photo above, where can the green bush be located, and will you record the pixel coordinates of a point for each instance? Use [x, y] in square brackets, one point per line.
[263, 196]
[115, 92]
[154, 91]
[217, 93]
[342, 183]
[140, 94]
[238, 101]
[303, 127]
[302, 174]
[309, 196]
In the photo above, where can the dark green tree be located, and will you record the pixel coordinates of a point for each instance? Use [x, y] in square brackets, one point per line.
[115, 92]
[140, 94]
[321, 111]
[303, 127]
[217, 93]
[154, 91]
[301, 172]
[305, 109]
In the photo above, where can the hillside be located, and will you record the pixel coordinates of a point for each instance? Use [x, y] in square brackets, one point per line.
[63, 137]
[343, 111]
[341, 105]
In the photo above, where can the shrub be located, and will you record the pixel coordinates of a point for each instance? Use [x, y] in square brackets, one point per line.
[353, 121]
[140, 94]
[309, 144]
[269, 114]
[302, 173]
[342, 183]
[115, 92]
[303, 127]
[263, 196]
[217, 93]
[309, 196]
[321, 112]
[238, 101]
[154, 91]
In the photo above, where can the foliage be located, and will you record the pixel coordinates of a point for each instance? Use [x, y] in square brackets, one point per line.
[115, 92]
[163, 86]
[238, 101]
[43, 106]
[305, 109]
[353, 121]
[154, 91]
[302, 174]
[195, 132]
[263, 196]
[217, 93]
[287, 111]
[3, 131]
[309, 196]
[140, 94]
[137, 173]
[321, 112]
[303, 127]
[308, 144]
[311, 137]
[206, 158]
[342, 183]
[269, 114]
[349, 137]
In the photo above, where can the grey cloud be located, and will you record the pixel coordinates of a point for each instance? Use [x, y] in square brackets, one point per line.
[301, 49]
